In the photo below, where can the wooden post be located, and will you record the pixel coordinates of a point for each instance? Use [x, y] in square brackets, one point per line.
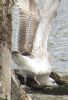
[6, 71]
[6, 24]
[5, 55]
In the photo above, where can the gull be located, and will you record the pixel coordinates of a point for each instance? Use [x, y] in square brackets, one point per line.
[37, 64]
[30, 66]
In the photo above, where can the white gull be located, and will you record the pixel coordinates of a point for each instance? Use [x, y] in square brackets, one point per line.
[37, 65]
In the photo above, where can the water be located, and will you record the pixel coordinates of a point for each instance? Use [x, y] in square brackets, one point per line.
[58, 40]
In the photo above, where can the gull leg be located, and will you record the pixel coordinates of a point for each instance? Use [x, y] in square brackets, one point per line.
[25, 80]
[26, 88]
[36, 80]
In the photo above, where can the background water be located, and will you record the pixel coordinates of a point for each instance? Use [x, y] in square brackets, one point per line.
[58, 40]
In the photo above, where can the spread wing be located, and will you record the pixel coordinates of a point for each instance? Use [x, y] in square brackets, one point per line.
[25, 22]
[49, 12]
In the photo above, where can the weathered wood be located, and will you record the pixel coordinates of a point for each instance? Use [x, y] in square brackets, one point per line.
[5, 64]
[5, 56]
[1, 5]
[17, 91]
[58, 79]
[6, 61]
[6, 24]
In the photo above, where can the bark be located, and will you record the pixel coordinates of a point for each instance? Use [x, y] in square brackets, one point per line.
[0, 15]
[5, 64]
[8, 87]
[6, 24]
[5, 56]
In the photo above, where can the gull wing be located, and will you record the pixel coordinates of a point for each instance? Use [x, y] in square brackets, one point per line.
[49, 13]
[25, 21]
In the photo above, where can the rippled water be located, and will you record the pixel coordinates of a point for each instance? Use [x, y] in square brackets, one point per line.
[58, 39]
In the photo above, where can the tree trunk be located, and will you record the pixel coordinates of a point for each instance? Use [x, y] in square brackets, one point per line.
[6, 24]
[5, 56]
[9, 89]
[5, 65]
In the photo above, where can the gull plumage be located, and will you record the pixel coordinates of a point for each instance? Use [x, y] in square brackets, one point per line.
[37, 64]
[32, 67]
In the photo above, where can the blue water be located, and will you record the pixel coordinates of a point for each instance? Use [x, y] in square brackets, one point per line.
[58, 40]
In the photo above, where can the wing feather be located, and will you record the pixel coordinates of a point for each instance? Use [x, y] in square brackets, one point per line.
[27, 25]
